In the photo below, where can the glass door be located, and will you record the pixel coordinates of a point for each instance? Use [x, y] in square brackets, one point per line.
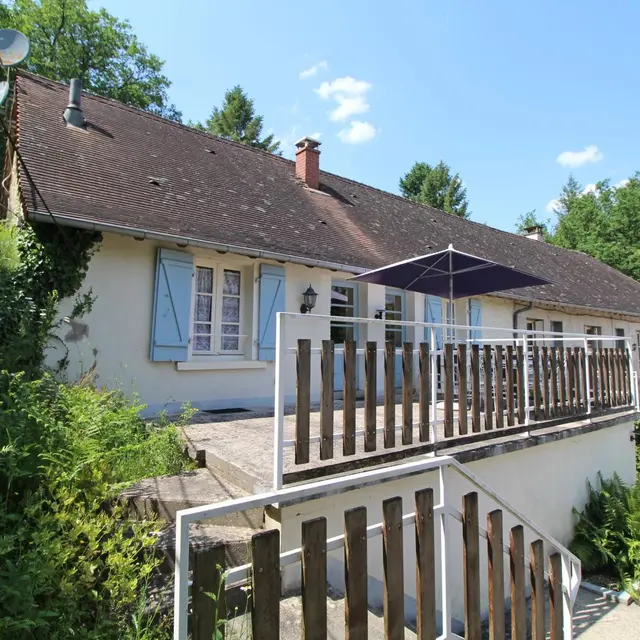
[343, 304]
[394, 303]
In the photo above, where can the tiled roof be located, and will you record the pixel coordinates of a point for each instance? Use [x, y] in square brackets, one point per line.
[133, 169]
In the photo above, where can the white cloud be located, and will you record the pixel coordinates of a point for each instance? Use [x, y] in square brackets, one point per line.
[552, 205]
[578, 158]
[623, 183]
[311, 71]
[316, 135]
[590, 188]
[348, 106]
[345, 86]
[357, 132]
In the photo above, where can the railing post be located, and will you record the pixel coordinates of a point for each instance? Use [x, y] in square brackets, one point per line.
[181, 587]
[527, 406]
[434, 387]
[278, 414]
[567, 613]
[444, 564]
[633, 377]
[587, 369]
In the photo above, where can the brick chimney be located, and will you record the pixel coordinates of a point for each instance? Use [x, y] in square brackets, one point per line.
[308, 162]
[534, 233]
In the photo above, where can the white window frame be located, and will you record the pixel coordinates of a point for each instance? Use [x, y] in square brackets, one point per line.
[533, 340]
[216, 321]
[597, 328]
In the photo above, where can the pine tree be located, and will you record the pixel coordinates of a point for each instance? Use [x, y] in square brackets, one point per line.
[236, 120]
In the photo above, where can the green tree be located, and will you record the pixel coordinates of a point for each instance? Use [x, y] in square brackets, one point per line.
[69, 40]
[604, 223]
[530, 219]
[437, 187]
[236, 120]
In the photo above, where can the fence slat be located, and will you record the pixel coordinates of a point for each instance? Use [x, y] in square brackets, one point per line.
[349, 400]
[562, 367]
[314, 579]
[208, 572]
[570, 381]
[613, 364]
[545, 383]
[603, 382]
[520, 382]
[303, 400]
[475, 389]
[488, 388]
[499, 400]
[604, 363]
[583, 377]
[577, 373]
[555, 412]
[424, 391]
[326, 400]
[448, 390]
[496, 575]
[593, 363]
[471, 563]
[536, 383]
[510, 385]
[407, 393]
[555, 596]
[536, 574]
[518, 602]
[625, 383]
[265, 596]
[393, 569]
[463, 426]
[620, 377]
[355, 574]
[370, 365]
[425, 565]
[389, 394]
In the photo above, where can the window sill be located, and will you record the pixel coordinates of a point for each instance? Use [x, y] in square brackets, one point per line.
[224, 365]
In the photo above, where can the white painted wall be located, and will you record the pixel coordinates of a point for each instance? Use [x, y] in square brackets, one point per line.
[544, 482]
[122, 276]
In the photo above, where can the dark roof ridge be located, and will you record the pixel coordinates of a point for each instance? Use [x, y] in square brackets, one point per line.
[154, 116]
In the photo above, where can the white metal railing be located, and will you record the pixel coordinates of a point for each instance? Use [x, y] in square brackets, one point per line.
[285, 348]
[571, 566]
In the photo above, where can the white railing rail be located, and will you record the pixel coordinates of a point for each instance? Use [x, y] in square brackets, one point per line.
[482, 335]
[571, 573]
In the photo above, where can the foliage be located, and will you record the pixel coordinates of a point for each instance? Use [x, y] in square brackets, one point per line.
[530, 219]
[604, 223]
[437, 187]
[69, 567]
[69, 40]
[39, 265]
[236, 120]
[607, 534]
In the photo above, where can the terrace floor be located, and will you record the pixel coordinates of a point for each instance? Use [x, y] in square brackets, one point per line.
[241, 444]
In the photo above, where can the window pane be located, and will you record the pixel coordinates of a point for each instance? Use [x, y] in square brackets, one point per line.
[231, 283]
[229, 344]
[393, 336]
[340, 334]
[230, 309]
[342, 295]
[202, 327]
[202, 343]
[230, 329]
[342, 311]
[203, 308]
[204, 280]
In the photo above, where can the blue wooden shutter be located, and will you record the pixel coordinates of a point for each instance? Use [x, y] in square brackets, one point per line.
[172, 306]
[475, 319]
[434, 314]
[272, 301]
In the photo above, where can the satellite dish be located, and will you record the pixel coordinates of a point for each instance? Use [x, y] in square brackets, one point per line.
[4, 91]
[14, 47]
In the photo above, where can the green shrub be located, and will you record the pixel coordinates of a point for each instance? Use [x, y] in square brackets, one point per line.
[69, 567]
[607, 534]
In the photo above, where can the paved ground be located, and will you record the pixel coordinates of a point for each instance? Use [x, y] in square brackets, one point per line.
[598, 619]
[246, 439]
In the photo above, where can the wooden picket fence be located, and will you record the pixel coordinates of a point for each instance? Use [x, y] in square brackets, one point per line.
[265, 571]
[485, 384]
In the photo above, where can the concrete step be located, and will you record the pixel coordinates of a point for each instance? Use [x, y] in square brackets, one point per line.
[165, 495]
[239, 628]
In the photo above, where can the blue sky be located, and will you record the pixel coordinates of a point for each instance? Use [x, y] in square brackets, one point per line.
[513, 95]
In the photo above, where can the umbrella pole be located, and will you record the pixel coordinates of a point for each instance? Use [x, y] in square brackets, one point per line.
[450, 318]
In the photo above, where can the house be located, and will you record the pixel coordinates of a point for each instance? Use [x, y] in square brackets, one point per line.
[205, 240]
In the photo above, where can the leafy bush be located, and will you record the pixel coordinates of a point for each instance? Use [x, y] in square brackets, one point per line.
[607, 535]
[71, 565]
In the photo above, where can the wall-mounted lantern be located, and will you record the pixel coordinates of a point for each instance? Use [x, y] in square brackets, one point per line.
[309, 297]
[379, 314]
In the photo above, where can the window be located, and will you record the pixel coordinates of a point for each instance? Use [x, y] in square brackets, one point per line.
[593, 330]
[393, 311]
[534, 324]
[216, 311]
[556, 327]
[620, 344]
[343, 305]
